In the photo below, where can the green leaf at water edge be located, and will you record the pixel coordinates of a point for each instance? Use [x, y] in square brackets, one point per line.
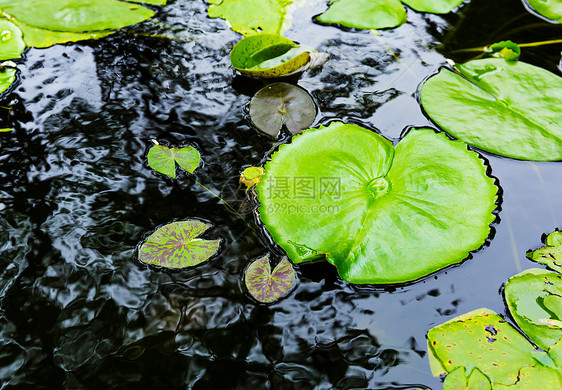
[176, 245]
[163, 159]
[11, 41]
[365, 14]
[251, 16]
[267, 286]
[534, 298]
[7, 77]
[551, 254]
[46, 22]
[482, 339]
[379, 214]
[280, 103]
[433, 6]
[550, 9]
[509, 108]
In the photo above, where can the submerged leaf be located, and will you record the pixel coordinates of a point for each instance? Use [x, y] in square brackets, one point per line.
[163, 159]
[176, 245]
[378, 214]
[268, 56]
[484, 340]
[509, 108]
[534, 298]
[46, 22]
[551, 254]
[11, 41]
[251, 176]
[550, 9]
[280, 103]
[267, 286]
[251, 16]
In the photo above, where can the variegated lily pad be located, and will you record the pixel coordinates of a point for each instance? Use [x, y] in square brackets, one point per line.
[163, 159]
[177, 245]
[267, 286]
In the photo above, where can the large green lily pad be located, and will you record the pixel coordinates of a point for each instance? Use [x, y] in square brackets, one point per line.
[508, 108]
[251, 16]
[551, 254]
[551, 9]
[379, 214]
[11, 41]
[368, 14]
[177, 245]
[268, 56]
[46, 22]
[482, 339]
[534, 298]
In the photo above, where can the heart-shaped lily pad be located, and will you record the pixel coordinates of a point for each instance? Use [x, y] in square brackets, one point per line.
[11, 41]
[483, 340]
[251, 16]
[508, 108]
[551, 254]
[280, 103]
[176, 245]
[550, 9]
[163, 159]
[379, 214]
[46, 22]
[268, 56]
[534, 298]
[368, 14]
[267, 286]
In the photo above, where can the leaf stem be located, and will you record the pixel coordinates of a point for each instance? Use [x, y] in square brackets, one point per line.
[225, 203]
[530, 44]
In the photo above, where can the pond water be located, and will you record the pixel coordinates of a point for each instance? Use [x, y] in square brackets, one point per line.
[78, 311]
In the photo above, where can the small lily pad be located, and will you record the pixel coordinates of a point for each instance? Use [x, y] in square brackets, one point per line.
[551, 254]
[163, 159]
[509, 108]
[268, 56]
[280, 103]
[11, 41]
[251, 176]
[267, 286]
[457, 380]
[505, 49]
[534, 298]
[176, 245]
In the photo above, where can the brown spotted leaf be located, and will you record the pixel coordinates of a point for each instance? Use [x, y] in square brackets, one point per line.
[176, 245]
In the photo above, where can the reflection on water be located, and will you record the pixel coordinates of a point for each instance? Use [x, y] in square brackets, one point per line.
[78, 311]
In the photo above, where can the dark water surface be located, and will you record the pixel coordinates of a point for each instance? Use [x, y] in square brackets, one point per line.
[76, 197]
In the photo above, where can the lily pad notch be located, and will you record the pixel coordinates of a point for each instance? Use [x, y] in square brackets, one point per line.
[381, 215]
